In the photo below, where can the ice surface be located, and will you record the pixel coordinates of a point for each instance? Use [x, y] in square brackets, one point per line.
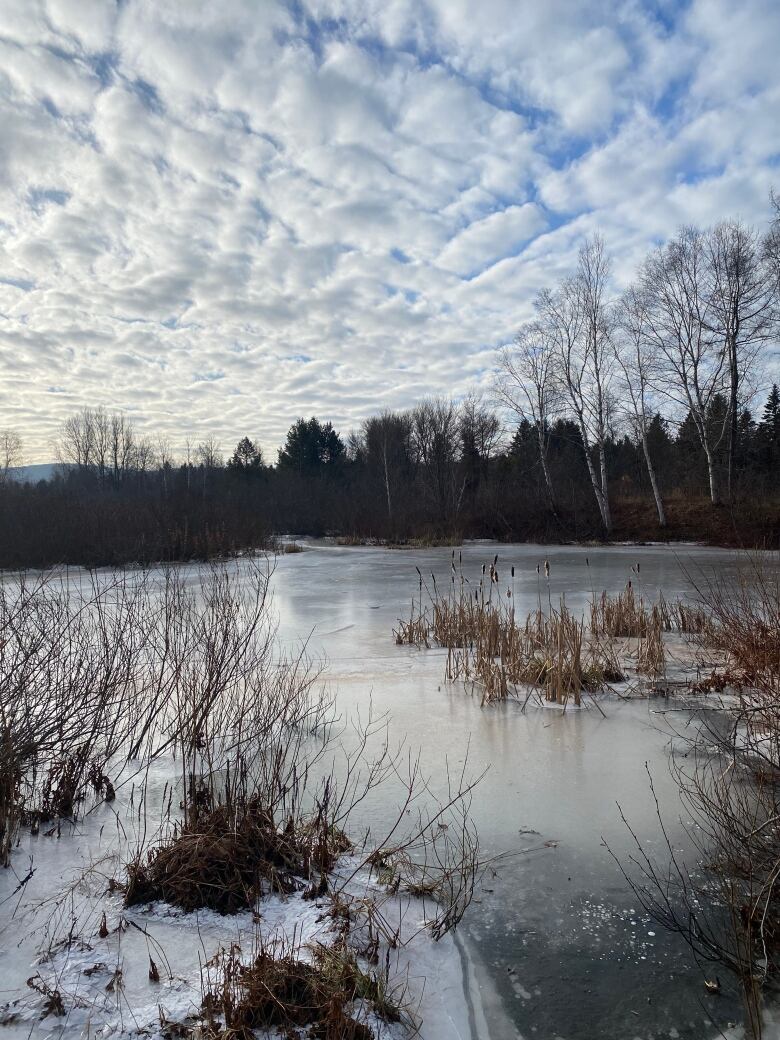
[555, 944]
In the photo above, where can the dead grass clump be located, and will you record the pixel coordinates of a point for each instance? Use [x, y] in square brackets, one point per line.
[621, 615]
[490, 648]
[651, 659]
[280, 990]
[414, 632]
[227, 857]
[688, 618]
[744, 623]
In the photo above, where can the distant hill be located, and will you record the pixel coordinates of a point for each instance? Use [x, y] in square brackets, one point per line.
[32, 474]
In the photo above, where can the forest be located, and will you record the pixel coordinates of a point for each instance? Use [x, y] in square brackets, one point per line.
[638, 415]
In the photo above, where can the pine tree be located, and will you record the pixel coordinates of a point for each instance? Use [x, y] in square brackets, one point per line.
[247, 458]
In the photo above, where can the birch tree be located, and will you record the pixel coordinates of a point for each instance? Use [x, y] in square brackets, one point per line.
[742, 311]
[576, 319]
[527, 385]
[680, 317]
[637, 359]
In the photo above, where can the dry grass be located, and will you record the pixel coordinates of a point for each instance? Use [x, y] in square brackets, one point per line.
[489, 648]
[96, 688]
[651, 658]
[278, 989]
[550, 650]
[623, 615]
[226, 858]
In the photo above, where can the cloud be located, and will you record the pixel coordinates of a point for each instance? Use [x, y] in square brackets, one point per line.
[220, 221]
[485, 241]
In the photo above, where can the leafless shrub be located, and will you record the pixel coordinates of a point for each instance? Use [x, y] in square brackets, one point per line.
[729, 780]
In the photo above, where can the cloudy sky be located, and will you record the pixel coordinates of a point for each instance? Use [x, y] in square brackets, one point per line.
[220, 215]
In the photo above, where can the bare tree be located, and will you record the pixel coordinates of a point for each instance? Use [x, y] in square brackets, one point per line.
[637, 360]
[105, 443]
[386, 442]
[209, 459]
[435, 443]
[743, 309]
[122, 446]
[575, 317]
[75, 446]
[479, 431]
[527, 384]
[10, 453]
[771, 244]
[679, 312]
[208, 454]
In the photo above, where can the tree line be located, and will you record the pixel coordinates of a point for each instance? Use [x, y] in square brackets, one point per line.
[633, 416]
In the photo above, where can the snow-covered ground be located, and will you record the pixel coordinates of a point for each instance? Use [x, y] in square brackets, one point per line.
[75, 962]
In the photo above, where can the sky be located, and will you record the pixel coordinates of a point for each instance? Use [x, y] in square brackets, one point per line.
[219, 216]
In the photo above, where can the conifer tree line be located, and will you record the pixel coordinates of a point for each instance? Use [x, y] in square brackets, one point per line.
[640, 413]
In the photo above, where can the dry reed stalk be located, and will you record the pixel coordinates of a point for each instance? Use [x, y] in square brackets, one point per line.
[488, 648]
[651, 658]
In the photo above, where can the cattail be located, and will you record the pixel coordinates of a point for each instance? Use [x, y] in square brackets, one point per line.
[537, 568]
[547, 568]
[513, 570]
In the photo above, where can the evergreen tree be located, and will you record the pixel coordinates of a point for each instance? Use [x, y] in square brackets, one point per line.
[310, 446]
[767, 437]
[247, 458]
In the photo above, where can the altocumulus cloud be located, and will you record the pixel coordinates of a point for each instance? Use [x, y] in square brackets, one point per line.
[221, 216]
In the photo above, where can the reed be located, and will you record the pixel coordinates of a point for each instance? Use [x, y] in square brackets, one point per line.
[651, 658]
[491, 649]
[623, 615]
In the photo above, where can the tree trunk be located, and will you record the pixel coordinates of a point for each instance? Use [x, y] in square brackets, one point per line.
[601, 498]
[546, 468]
[734, 409]
[713, 475]
[606, 513]
[387, 487]
[659, 505]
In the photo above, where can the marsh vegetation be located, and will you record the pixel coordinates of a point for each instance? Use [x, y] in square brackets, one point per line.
[231, 783]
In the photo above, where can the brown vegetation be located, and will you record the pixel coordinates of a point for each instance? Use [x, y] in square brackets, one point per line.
[729, 779]
[226, 858]
[290, 989]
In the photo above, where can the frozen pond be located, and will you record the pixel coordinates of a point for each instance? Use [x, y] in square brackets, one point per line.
[557, 945]
[559, 933]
